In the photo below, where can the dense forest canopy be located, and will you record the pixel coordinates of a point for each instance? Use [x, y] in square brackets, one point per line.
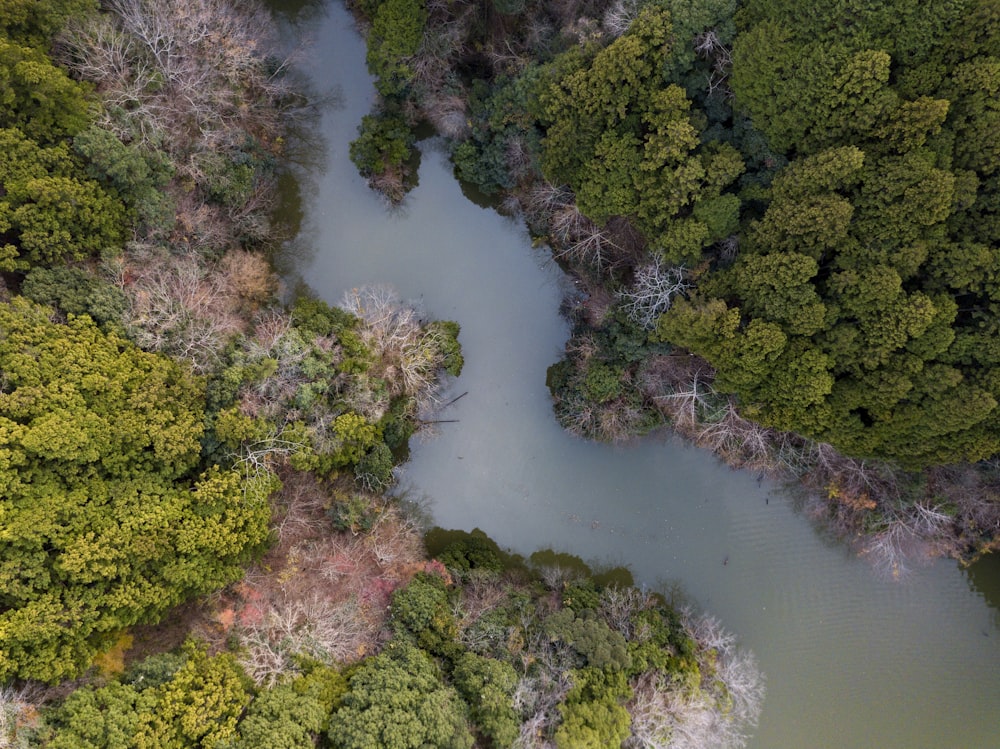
[863, 308]
[108, 520]
[804, 197]
[782, 219]
[153, 381]
[822, 181]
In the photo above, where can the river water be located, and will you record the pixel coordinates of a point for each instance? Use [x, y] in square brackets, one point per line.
[852, 661]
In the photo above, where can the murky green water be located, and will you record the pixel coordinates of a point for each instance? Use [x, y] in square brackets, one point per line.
[851, 660]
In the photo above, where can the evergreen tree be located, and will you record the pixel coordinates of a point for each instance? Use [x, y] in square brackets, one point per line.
[108, 519]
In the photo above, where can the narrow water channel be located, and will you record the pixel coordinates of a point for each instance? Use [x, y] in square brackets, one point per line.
[851, 661]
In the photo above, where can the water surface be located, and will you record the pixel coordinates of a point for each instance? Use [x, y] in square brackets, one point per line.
[851, 660]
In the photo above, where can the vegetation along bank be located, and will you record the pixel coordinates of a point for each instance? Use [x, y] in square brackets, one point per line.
[783, 217]
[194, 546]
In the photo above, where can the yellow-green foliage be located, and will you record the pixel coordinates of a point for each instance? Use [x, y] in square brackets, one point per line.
[107, 518]
[111, 662]
[197, 701]
[49, 210]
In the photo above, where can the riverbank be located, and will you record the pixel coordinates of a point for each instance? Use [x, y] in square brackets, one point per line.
[825, 629]
[503, 85]
[320, 401]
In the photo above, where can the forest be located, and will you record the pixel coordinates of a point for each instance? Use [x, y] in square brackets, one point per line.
[783, 219]
[196, 547]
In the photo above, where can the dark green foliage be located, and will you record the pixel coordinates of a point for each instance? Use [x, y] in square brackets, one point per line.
[138, 177]
[465, 651]
[487, 685]
[602, 382]
[75, 292]
[384, 142]
[106, 718]
[420, 612]
[447, 332]
[463, 552]
[598, 645]
[859, 310]
[33, 22]
[581, 594]
[153, 671]
[623, 138]
[228, 177]
[398, 425]
[281, 718]
[691, 18]
[398, 701]
[374, 468]
[502, 123]
[600, 374]
[109, 519]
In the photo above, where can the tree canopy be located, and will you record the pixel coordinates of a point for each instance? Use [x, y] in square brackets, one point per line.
[621, 135]
[862, 310]
[108, 517]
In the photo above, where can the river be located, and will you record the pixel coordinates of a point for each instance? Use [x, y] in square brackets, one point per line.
[852, 661]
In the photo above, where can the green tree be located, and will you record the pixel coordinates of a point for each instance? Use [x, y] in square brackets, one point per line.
[108, 520]
[624, 139]
[280, 718]
[33, 22]
[138, 177]
[860, 310]
[488, 687]
[420, 612]
[73, 291]
[37, 96]
[398, 701]
[60, 218]
[50, 211]
[197, 706]
[592, 714]
[395, 35]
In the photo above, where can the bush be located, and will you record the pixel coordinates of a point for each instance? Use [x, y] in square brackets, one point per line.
[357, 514]
[420, 611]
[374, 469]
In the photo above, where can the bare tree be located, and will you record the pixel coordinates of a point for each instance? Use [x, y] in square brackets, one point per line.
[619, 16]
[579, 239]
[180, 307]
[409, 355]
[708, 46]
[718, 712]
[18, 715]
[653, 289]
[618, 607]
[317, 628]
